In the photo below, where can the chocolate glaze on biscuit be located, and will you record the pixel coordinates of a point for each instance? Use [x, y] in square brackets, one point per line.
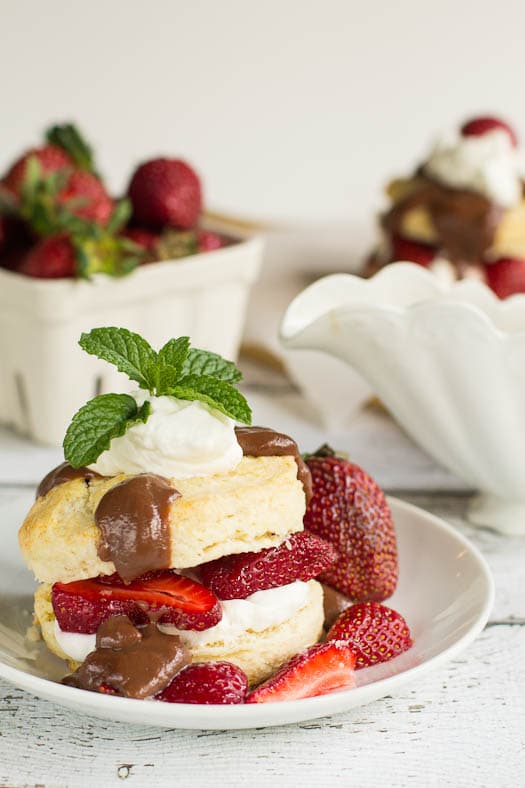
[64, 473]
[265, 442]
[136, 663]
[133, 518]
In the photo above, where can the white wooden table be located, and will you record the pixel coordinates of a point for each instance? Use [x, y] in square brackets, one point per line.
[463, 725]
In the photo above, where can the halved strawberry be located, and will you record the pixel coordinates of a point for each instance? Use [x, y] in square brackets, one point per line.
[317, 671]
[301, 557]
[83, 605]
[376, 633]
[478, 127]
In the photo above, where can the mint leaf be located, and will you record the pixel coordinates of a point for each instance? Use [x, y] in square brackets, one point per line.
[129, 352]
[217, 394]
[202, 362]
[97, 423]
[174, 353]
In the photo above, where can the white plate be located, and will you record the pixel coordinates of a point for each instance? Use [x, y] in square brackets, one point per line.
[445, 592]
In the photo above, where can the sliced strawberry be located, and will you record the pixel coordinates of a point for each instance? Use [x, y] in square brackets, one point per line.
[83, 605]
[317, 671]
[477, 127]
[302, 557]
[207, 682]
[412, 251]
[506, 277]
[376, 633]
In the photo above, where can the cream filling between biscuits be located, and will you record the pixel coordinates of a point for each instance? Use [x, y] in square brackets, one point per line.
[262, 610]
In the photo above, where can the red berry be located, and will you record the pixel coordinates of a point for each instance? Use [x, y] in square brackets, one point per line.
[506, 277]
[349, 510]
[477, 127]
[302, 557]
[414, 252]
[52, 258]
[139, 235]
[166, 192]
[85, 196]
[374, 632]
[50, 158]
[83, 605]
[320, 669]
[207, 682]
[208, 241]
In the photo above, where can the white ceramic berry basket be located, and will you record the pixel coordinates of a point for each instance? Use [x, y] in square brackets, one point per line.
[46, 377]
[448, 361]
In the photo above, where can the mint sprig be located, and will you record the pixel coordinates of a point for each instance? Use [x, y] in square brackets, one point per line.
[176, 371]
[128, 352]
[97, 422]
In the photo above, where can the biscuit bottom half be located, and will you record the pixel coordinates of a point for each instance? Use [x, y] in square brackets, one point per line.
[258, 654]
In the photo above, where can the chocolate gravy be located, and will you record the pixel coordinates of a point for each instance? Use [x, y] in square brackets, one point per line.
[465, 221]
[64, 473]
[133, 518]
[265, 442]
[137, 663]
[334, 604]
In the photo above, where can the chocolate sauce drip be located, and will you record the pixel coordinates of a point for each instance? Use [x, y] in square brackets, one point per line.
[334, 604]
[265, 442]
[133, 518]
[466, 222]
[64, 473]
[137, 663]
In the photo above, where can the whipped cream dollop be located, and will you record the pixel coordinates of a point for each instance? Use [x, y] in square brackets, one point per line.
[255, 613]
[180, 439]
[487, 164]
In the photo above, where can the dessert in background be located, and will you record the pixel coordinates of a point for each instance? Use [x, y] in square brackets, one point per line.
[180, 557]
[462, 212]
[57, 219]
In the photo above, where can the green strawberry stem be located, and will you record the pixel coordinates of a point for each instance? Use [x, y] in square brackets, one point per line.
[68, 137]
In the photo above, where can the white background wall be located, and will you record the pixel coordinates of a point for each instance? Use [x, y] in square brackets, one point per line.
[290, 110]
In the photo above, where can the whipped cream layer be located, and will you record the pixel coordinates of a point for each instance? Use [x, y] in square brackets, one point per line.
[487, 164]
[181, 439]
[256, 613]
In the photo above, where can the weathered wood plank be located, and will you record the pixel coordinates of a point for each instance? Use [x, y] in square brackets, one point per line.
[462, 726]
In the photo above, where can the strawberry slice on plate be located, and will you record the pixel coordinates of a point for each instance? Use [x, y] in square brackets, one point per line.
[173, 599]
[318, 670]
[376, 633]
[301, 557]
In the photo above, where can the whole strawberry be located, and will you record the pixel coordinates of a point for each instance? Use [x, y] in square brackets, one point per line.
[350, 510]
[53, 258]
[375, 633]
[50, 158]
[506, 277]
[207, 682]
[166, 192]
[84, 195]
